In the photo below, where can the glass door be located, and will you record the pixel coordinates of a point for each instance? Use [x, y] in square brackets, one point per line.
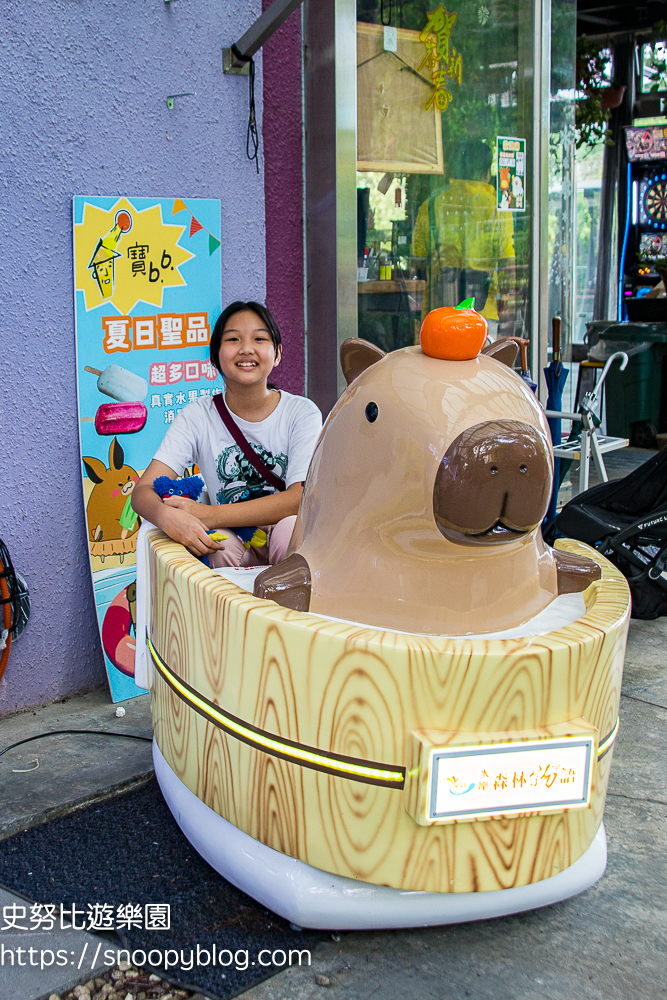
[462, 114]
[445, 164]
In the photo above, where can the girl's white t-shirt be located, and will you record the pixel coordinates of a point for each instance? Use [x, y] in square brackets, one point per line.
[285, 441]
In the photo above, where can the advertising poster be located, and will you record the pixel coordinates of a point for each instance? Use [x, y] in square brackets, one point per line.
[510, 174]
[147, 293]
[647, 143]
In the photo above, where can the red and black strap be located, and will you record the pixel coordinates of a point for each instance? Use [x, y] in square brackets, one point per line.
[245, 445]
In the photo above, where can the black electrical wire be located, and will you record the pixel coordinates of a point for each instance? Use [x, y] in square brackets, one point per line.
[252, 137]
[76, 732]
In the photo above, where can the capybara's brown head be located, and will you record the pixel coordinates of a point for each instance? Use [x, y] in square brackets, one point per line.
[422, 506]
[493, 483]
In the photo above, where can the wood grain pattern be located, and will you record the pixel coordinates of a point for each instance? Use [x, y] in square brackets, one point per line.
[358, 692]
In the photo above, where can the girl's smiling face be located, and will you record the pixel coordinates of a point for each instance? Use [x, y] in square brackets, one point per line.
[247, 355]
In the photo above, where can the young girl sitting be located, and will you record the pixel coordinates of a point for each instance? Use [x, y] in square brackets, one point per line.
[281, 428]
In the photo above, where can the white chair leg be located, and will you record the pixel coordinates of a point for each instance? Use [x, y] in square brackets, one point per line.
[598, 459]
[585, 452]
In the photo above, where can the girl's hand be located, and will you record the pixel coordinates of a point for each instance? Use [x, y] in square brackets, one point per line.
[184, 503]
[189, 530]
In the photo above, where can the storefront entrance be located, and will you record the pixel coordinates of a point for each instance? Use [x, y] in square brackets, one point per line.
[460, 187]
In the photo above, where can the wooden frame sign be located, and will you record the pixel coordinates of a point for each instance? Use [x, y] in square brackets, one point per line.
[399, 125]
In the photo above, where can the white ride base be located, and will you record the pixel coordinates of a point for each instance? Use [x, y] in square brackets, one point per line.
[310, 897]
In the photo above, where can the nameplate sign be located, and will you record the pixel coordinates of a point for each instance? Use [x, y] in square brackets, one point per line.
[501, 778]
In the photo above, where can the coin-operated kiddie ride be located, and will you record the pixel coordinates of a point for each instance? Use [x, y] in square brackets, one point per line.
[410, 720]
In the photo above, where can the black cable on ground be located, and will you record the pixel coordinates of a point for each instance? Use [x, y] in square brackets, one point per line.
[76, 732]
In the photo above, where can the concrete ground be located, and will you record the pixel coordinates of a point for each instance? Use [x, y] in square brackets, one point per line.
[610, 943]
[25, 976]
[618, 463]
[71, 771]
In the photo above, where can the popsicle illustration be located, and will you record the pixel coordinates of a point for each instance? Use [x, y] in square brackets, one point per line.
[105, 253]
[120, 418]
[120, 384]
[128, 518]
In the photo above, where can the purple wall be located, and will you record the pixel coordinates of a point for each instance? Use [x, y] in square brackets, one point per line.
[283, 194]
[82, 92]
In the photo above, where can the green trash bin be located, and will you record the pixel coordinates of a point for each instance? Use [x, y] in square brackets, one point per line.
[635, 394]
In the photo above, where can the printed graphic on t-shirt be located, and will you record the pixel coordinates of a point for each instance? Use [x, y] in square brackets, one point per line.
[240, 479]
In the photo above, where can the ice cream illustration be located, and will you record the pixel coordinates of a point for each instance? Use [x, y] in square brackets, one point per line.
[120, 384]
[120, 418]
[105, 253]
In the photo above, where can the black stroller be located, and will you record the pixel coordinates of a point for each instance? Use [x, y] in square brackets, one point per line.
[626, 520]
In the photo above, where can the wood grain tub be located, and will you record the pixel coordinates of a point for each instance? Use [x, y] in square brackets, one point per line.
[307, 734]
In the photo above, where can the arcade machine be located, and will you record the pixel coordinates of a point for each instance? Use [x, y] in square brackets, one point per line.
[636, 408]
[645, 238]
[646, 224]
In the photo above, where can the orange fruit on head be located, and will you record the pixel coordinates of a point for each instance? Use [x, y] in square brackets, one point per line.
[453, 334]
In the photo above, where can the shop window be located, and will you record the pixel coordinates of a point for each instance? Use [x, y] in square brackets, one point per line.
[443, 147]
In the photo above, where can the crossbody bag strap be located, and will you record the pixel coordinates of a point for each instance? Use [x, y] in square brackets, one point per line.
[245, 445]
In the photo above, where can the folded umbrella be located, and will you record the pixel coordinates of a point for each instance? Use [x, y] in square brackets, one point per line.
[524, 344]
[555, 376]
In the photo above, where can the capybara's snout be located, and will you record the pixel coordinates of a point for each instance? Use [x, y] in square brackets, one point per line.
[493, 483]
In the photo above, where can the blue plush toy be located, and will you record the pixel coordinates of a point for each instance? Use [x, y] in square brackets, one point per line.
[191, 487]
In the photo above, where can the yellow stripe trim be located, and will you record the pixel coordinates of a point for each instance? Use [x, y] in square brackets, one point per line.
[608, 740]
[269, 743]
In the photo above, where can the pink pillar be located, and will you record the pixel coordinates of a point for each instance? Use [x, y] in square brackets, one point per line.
[283, 195]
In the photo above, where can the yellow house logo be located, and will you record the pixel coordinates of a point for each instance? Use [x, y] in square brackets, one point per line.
[124, 256]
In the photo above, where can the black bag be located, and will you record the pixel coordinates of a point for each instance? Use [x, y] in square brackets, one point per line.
[626, 520]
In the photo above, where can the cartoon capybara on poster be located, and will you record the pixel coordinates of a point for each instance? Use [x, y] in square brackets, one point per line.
[109, 512]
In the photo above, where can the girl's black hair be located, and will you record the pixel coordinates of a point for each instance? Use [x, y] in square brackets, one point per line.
[261, 311]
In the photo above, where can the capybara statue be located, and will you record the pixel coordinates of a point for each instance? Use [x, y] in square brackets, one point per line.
[423, 504]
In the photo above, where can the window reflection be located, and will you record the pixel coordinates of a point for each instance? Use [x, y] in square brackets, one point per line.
[439, 220]
[461, 243]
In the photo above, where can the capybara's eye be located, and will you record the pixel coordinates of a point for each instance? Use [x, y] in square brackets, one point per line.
[371, 412]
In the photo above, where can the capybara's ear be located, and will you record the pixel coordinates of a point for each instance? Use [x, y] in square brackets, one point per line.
[504, 350]
[96, 470]
[356, 356]
[116, 455]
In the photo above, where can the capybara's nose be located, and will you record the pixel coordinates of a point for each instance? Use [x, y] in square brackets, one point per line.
[493, 483]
